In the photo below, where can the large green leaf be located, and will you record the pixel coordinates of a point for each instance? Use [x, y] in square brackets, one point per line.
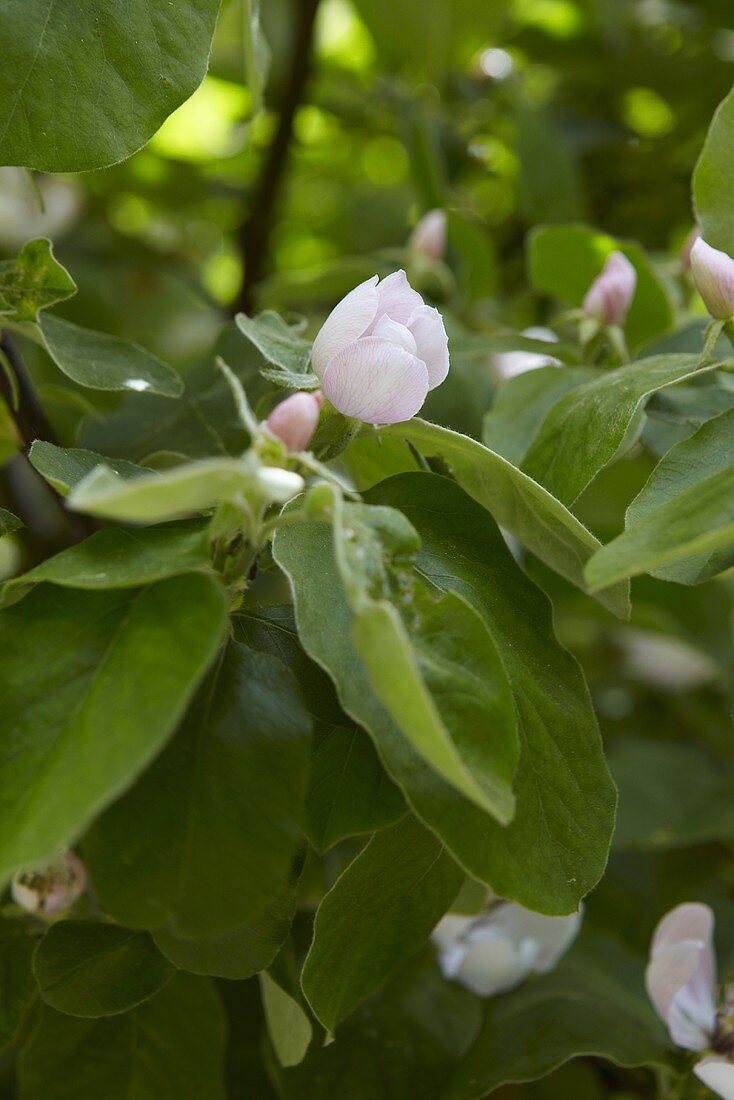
[65, 467]
[517, 503]
[93, 683]
[103, 362]
[521, 405]
[555, 849]
[17, 985]
[697, 521]
[90, 969]
[380, 911]
[236, 954]
[33, 281]
[224, 802]
[564, 260]
[119, 558]
[587, 427]
[707, 452]
[168, 1048]
[594, 1003]
[400, 1044]
[551, 855]
[712, 179]
[84, 84]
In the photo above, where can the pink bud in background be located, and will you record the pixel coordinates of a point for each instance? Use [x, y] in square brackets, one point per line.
[380, 351]
[609, 297]
[429, 236]
[713, 274]
[294, 420]
[49, 890]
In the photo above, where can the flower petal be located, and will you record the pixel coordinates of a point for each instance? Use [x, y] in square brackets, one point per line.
[718, 1075]
[429, 235]
[427, 326]
[348, 320]
[609, 297]
[376, 381]
[399, 334]
[680, 978]
[713, 274]
[492, 964]
[396, 298]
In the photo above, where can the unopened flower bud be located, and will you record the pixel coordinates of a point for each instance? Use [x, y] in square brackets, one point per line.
[713, 274]
[49, 890]
[380, 351]
[294, 420]
[429, 235]
[609, 297]
[279, 485]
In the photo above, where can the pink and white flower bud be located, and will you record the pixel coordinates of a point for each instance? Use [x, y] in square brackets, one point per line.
[429, 235]
[497, 950]
[294, 420]
[713, 274]
[52, 889]
[380, 351]
[609, 297]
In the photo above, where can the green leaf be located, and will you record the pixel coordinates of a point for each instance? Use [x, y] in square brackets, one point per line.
[402, 1043]
[594, 1003]
[281, 346]
[588, 427]
[555, 849]
[521, 405]
[157, 496]
[288, 1025]
[85, 86]
[698, 520]
[168, 1048]
[237, 954]
[85, 968]
[35, 280]
[8, 522]
[712, 179]
[690, 802]
[103, 362]
[65, 467]
[17, 984]
[93, 683]
[120, 558]
[349, 793]
[516, 502]
[224, 802]
[380, 911]
[686, 465]
[565, 259]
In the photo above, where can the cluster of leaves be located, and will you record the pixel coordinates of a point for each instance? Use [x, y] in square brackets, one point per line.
[285, 743]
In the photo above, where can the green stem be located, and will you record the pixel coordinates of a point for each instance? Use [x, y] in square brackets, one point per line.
[713, 332]
[251, 34]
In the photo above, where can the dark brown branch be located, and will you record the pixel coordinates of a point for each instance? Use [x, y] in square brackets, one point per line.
[30, 419]
[256, 230]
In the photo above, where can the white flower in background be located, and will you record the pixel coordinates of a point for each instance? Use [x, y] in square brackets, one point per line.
[380, 351]
[498, 949]
[51, 889]
[294, 420]
[681, 983]
[609, 297]
[713, 274]
[21, 216]
[511, 363]
[429, 235]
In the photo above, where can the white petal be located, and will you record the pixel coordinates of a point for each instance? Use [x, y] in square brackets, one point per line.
[376, 381]
[427, 326]
[396, 298]
[680, 978]
[718, 1074]
[450, 930]
[399, 334]
[279, 485]
[348, 320]
[492, 964]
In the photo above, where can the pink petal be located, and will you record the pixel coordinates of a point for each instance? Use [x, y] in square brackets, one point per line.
[680, 978]
[429, 235]
[718, 1075]
[396, 333]
[609, 297]
[713, 274]
[427, 326]
[376, 381]
[294, 420]
[348, 320]
[396, 298]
